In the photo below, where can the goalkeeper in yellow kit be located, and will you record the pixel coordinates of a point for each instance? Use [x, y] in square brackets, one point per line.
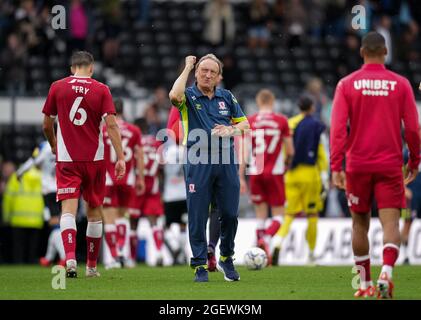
[305, 180]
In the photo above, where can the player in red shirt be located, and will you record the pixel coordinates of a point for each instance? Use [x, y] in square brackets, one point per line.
[81, 105]
[269, 133]
[369, 108]
[149, 204]
[119, 192]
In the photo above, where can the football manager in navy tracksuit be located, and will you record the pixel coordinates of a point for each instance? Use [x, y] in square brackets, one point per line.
[210, 117]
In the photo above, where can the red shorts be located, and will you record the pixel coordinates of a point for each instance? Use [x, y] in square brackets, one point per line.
[268, 188]
[149, 203]
[119, 196]
[386, 187]
[86, 178]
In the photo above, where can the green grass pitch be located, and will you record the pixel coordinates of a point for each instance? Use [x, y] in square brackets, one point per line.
[167, 283]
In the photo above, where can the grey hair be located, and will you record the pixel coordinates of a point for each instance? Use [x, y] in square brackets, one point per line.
[212, 57]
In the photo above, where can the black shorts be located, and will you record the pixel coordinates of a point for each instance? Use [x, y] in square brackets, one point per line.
[174, 211]
[51, 203]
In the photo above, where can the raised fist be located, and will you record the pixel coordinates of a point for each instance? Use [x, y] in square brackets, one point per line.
[190, 61]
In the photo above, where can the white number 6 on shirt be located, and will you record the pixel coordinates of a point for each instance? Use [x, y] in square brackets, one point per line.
[75, 109]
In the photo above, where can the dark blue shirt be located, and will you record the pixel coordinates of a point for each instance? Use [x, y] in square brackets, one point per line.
[199, 112]
[306, 141]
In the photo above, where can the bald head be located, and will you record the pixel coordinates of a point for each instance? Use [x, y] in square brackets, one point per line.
[373, 45]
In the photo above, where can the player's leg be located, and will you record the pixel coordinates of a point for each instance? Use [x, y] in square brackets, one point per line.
[135, 210]
[311, 235]
[389, 218]
[133, 239]
[312, 204]
[68, 234]
[122, 224]
[158, 237]
[69, 181]
[153, 210]
[360, 247]
[110, 230]
[93, 239]
[408, 214]
[389, 193]
[93, 186]
[275, 195]
[227, 192]
[55, 244]
[175, 229]
[359, 191]
[293, 193]
[214, 234]
[407, 222]
[257, 196]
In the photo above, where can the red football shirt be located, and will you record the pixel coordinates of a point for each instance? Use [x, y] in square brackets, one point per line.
[268, 131]
[151, 155]
[130, 140]
[374, 102]
[80, 103]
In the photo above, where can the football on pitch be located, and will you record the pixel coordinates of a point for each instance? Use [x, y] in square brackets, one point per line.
[255, 259]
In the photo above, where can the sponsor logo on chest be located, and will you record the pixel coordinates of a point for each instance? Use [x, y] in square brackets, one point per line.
[222, 108]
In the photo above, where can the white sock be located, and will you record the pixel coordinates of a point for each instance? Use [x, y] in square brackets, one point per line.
[94, 229]
[388, 270]
[260, 224]
[67, 221]
[280, 219]
[277, 241]
[58, 243]
[365, 284]
[51, 250]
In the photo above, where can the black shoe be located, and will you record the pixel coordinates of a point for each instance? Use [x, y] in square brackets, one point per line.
[275, 256]
[71, 273]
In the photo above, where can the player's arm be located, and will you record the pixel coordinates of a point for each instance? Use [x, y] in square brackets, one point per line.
[113, 132]
[289, 150]
[176, 94]
[412, 133]
[288, 142]
[49, 133]
[38, 156]
[140, 168]
[339, 135]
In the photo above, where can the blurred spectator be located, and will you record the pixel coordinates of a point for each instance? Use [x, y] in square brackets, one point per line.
[350, 59]
[7, 169]
[296, 22]
[278, 15]
[314, 90]
[316, 12]
[334, 18]
[143, 11]
[415, 8]
[26, 17]
[231, 75]
[12, 60]
[408, 47]
[384, 28]
[259, 19]
[78, 26]
[219, 23]
[112, 16]
[157, 112]
[23, 209]
[6, 18]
